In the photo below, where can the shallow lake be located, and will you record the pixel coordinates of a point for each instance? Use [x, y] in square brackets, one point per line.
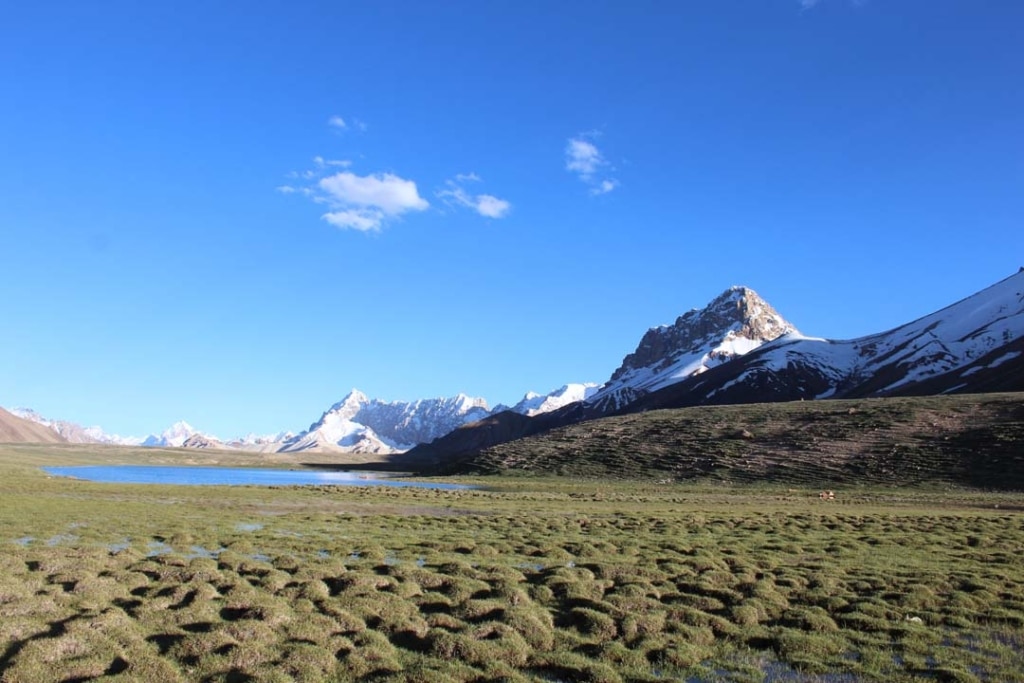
[234, 476]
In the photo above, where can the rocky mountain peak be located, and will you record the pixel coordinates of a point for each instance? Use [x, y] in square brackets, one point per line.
[739, 313]
[348, 407]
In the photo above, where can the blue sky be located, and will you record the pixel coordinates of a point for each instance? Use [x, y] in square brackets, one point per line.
[234, 213]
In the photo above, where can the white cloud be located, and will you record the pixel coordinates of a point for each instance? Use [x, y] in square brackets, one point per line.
[492, 207]
[486, 205]
[337, 122]
[323, 163]
[354, 201]
[583, 158]
[357, 219]
[385, 192]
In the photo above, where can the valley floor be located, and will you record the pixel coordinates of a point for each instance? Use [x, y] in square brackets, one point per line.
[525, 579]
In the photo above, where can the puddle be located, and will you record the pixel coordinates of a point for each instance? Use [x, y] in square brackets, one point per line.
[119, 547]
[780, 672]
[420, 562]
[260, 557]
[61, 539]
[154, 548]
[24, 540]
[322, 554]
[248, 526]
[200, 551]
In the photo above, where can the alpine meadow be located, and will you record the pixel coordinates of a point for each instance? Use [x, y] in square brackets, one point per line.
[512, 342]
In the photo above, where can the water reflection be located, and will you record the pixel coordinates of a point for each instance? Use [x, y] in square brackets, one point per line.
[233, 476]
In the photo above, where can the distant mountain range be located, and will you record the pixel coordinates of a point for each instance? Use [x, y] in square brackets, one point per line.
[737, 349]
[355, 424]
[15, 429]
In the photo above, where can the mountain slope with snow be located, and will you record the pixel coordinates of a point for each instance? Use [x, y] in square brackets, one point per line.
[733, 324]
[72, 432]
[537, 404]
[970, 345]
[15, 429]
[174, 436]
[713, 356]
[358, 424]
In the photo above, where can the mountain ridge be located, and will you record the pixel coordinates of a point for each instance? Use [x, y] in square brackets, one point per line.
[980, 336]
[736, 349]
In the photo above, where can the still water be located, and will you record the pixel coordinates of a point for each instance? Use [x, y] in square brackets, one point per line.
[234, 476]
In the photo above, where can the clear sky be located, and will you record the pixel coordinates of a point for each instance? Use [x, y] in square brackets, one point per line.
[233, 213]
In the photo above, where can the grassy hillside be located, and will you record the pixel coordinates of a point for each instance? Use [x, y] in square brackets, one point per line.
[975, 440]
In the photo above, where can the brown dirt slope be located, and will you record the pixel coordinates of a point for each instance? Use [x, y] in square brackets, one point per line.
[13, 429]
[970, 440]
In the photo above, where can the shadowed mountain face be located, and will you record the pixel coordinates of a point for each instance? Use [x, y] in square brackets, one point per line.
[14, 429]
[968, 440]
[974, 345]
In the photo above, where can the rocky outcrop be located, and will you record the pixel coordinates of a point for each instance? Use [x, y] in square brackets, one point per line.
[198, 440]
[733, 324]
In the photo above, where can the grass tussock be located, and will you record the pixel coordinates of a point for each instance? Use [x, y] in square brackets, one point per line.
[532, 580]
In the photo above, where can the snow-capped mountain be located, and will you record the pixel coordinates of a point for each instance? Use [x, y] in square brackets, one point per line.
[733, 324]
[363, 425]
[973, 345]
[174, 436]
[15, 429]
[72, 432]
[257, 441]
[739, 350]
[99, 436]
[537, 404]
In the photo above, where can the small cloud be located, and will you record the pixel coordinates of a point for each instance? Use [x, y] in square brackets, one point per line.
[367, 202]
[321, 163]
[356, 202]
[362, 220]
[604, 187]
[583, 158]
[486, 205]
[337, 122]
[491, 207]
[391, 194]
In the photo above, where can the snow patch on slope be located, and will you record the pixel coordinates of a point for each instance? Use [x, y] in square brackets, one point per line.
[537, 404]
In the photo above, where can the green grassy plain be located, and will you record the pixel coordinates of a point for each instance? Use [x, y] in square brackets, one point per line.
[527, 579]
